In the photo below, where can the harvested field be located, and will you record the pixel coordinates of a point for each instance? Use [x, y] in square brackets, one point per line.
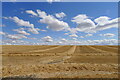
[60, 61]
[107, 48]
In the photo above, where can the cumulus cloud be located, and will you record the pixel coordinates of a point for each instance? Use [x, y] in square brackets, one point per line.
[79, 18]
[88, 35]
[110, 24]
[32, 38]
[30, 26]
[73, 35]
[15, 42]
[73, 30]
[31, 12]
[47, 39]
[15, 36]
[63, 40]
[50, 1]
[34, 30]
[92, 42]
[2, 25]
[59, 42]
[41, 14]
[108, 35]
[13, 0]
[21, 31]
[74, 38]
[102, 20]
[5, 18]
[52, 22]
[66, 33]
[81, 36]
[60, 15]
[84, 24]
[70, 42]
[43, 30]
[2, 33]
[106, 42]
[21, 22]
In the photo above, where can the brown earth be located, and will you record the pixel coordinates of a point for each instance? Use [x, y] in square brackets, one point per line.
[60, 61]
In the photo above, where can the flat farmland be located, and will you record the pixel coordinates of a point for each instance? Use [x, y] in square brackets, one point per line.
[60, 61]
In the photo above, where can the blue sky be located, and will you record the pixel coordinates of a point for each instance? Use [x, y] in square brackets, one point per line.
[66, 23]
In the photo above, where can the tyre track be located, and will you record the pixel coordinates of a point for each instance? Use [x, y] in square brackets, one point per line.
[112, 47]
[46, 49]
[86, 50]
[101, 50]
[61, 59]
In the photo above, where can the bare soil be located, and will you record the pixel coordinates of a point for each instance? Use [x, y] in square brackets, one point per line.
[60, 61]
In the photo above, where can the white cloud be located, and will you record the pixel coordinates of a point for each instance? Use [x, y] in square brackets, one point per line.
[21, 22]
[30, 26]
[59, 42]
[41, 14]
[81, 37]
[108, 35]
[102, 20]
[2, 25]
[111, 24]
[2, 33]
[15, 36]
[94, 42]
[79, 18]
[74, 38]
[73, 30]
[44, 30]
[31, 12]
[88, 26]
[32, 38]
[66, 33]
[5, 17]
[15, 42]
[64, 40]
[88, 35]
[60, 15]
[34, 30]
[50, 1]
[21, 31]
[52, 22]
[13, 0]
[106, 42]
[47, 39]
[70, 42]
[83, 23]
[73, 35]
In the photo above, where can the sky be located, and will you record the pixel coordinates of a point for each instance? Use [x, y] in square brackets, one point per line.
[59, 23]
[60, 0]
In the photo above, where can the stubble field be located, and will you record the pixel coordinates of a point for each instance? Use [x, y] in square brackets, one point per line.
[59, 61]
